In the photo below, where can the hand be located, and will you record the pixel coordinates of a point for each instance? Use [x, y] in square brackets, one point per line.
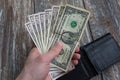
[37, 65]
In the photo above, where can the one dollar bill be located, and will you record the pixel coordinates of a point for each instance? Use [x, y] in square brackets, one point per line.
[69, 30]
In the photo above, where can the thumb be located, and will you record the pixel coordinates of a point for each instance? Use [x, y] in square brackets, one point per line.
[33, 54]
[53, 52]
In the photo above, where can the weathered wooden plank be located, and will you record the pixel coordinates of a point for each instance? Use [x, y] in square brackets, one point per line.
[41, 5]
[16, 41]
[105, 18]
[2, 25]
[118, 1]
[2, 19]
[114, 22]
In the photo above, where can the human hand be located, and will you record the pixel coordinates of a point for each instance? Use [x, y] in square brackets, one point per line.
[37, 65]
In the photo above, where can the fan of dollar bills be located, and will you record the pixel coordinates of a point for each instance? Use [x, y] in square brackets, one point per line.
[61, 23]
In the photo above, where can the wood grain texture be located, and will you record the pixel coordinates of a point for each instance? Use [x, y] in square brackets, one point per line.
[118, 1]
[105, 18]
[15, 42]
[1, 34]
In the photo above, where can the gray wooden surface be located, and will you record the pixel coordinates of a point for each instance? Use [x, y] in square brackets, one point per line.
[15, 42]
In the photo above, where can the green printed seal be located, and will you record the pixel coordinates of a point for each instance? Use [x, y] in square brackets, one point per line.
[73, 24]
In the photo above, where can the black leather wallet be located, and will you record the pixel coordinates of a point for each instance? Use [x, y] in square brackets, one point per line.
[95, 58]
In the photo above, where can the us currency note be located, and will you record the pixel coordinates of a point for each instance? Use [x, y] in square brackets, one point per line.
[54, 76]
[56, 72]
[32, 20]
[59, 16]
[55, 69]
[55, 11]
[38, 24]
[70, 30]
[30, 29]
[54, 37]
[48, 17]
[43, 29]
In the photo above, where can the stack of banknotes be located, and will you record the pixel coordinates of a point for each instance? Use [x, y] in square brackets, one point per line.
[64, 23]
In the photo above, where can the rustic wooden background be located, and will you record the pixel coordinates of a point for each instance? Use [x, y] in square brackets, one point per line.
[15, 42]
